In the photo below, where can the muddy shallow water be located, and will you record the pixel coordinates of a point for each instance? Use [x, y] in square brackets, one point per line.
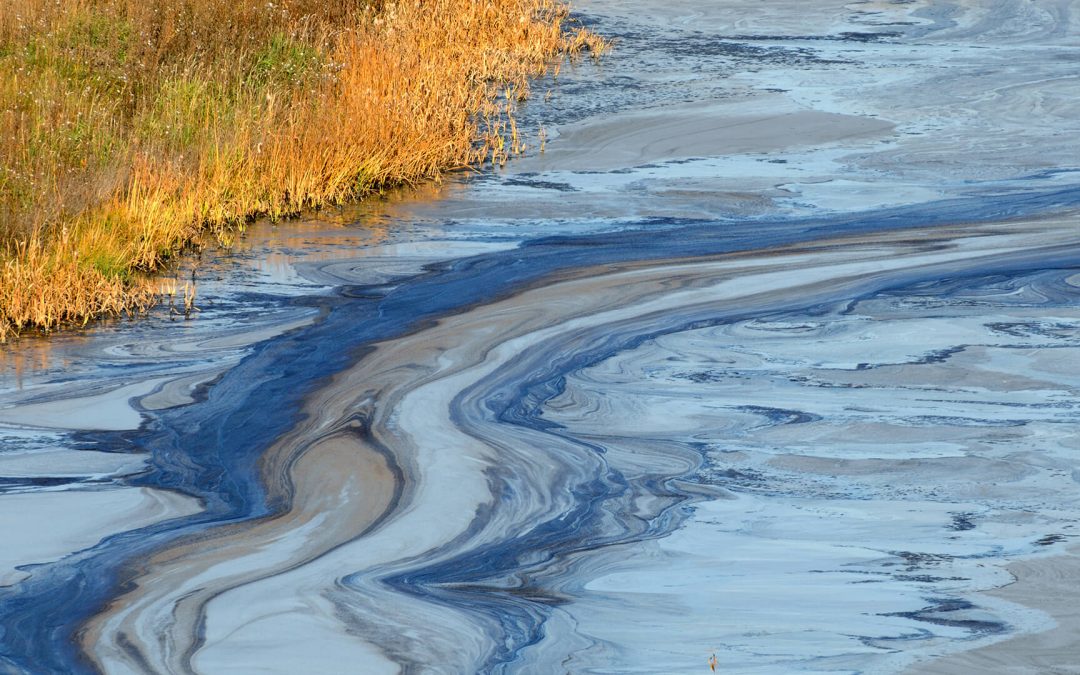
[770, 354]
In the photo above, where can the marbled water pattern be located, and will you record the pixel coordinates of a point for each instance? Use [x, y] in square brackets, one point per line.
[771, 354]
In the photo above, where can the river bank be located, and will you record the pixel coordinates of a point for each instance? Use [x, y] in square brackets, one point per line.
[130, 129]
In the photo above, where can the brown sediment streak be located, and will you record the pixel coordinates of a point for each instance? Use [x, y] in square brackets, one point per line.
[710, 129]
[1040, 583]
[336, 470]
[339, 473]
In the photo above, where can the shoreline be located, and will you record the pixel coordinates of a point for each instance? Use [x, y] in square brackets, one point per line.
[171, 140]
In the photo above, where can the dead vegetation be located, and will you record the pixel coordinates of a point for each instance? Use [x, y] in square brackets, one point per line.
[129, 127]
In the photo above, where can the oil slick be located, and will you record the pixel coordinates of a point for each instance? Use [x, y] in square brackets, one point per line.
[808, 401]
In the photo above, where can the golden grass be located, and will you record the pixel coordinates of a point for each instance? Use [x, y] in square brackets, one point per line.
[128, 127]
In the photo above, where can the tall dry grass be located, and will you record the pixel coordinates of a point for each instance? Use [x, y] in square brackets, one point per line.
[127, 127]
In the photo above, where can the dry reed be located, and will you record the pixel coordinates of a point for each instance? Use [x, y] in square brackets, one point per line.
[128, 127]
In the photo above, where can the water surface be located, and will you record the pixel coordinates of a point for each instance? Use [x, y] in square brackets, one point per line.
[769, 354]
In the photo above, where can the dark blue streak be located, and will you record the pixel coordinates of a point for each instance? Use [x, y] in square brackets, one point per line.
[211, 448]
